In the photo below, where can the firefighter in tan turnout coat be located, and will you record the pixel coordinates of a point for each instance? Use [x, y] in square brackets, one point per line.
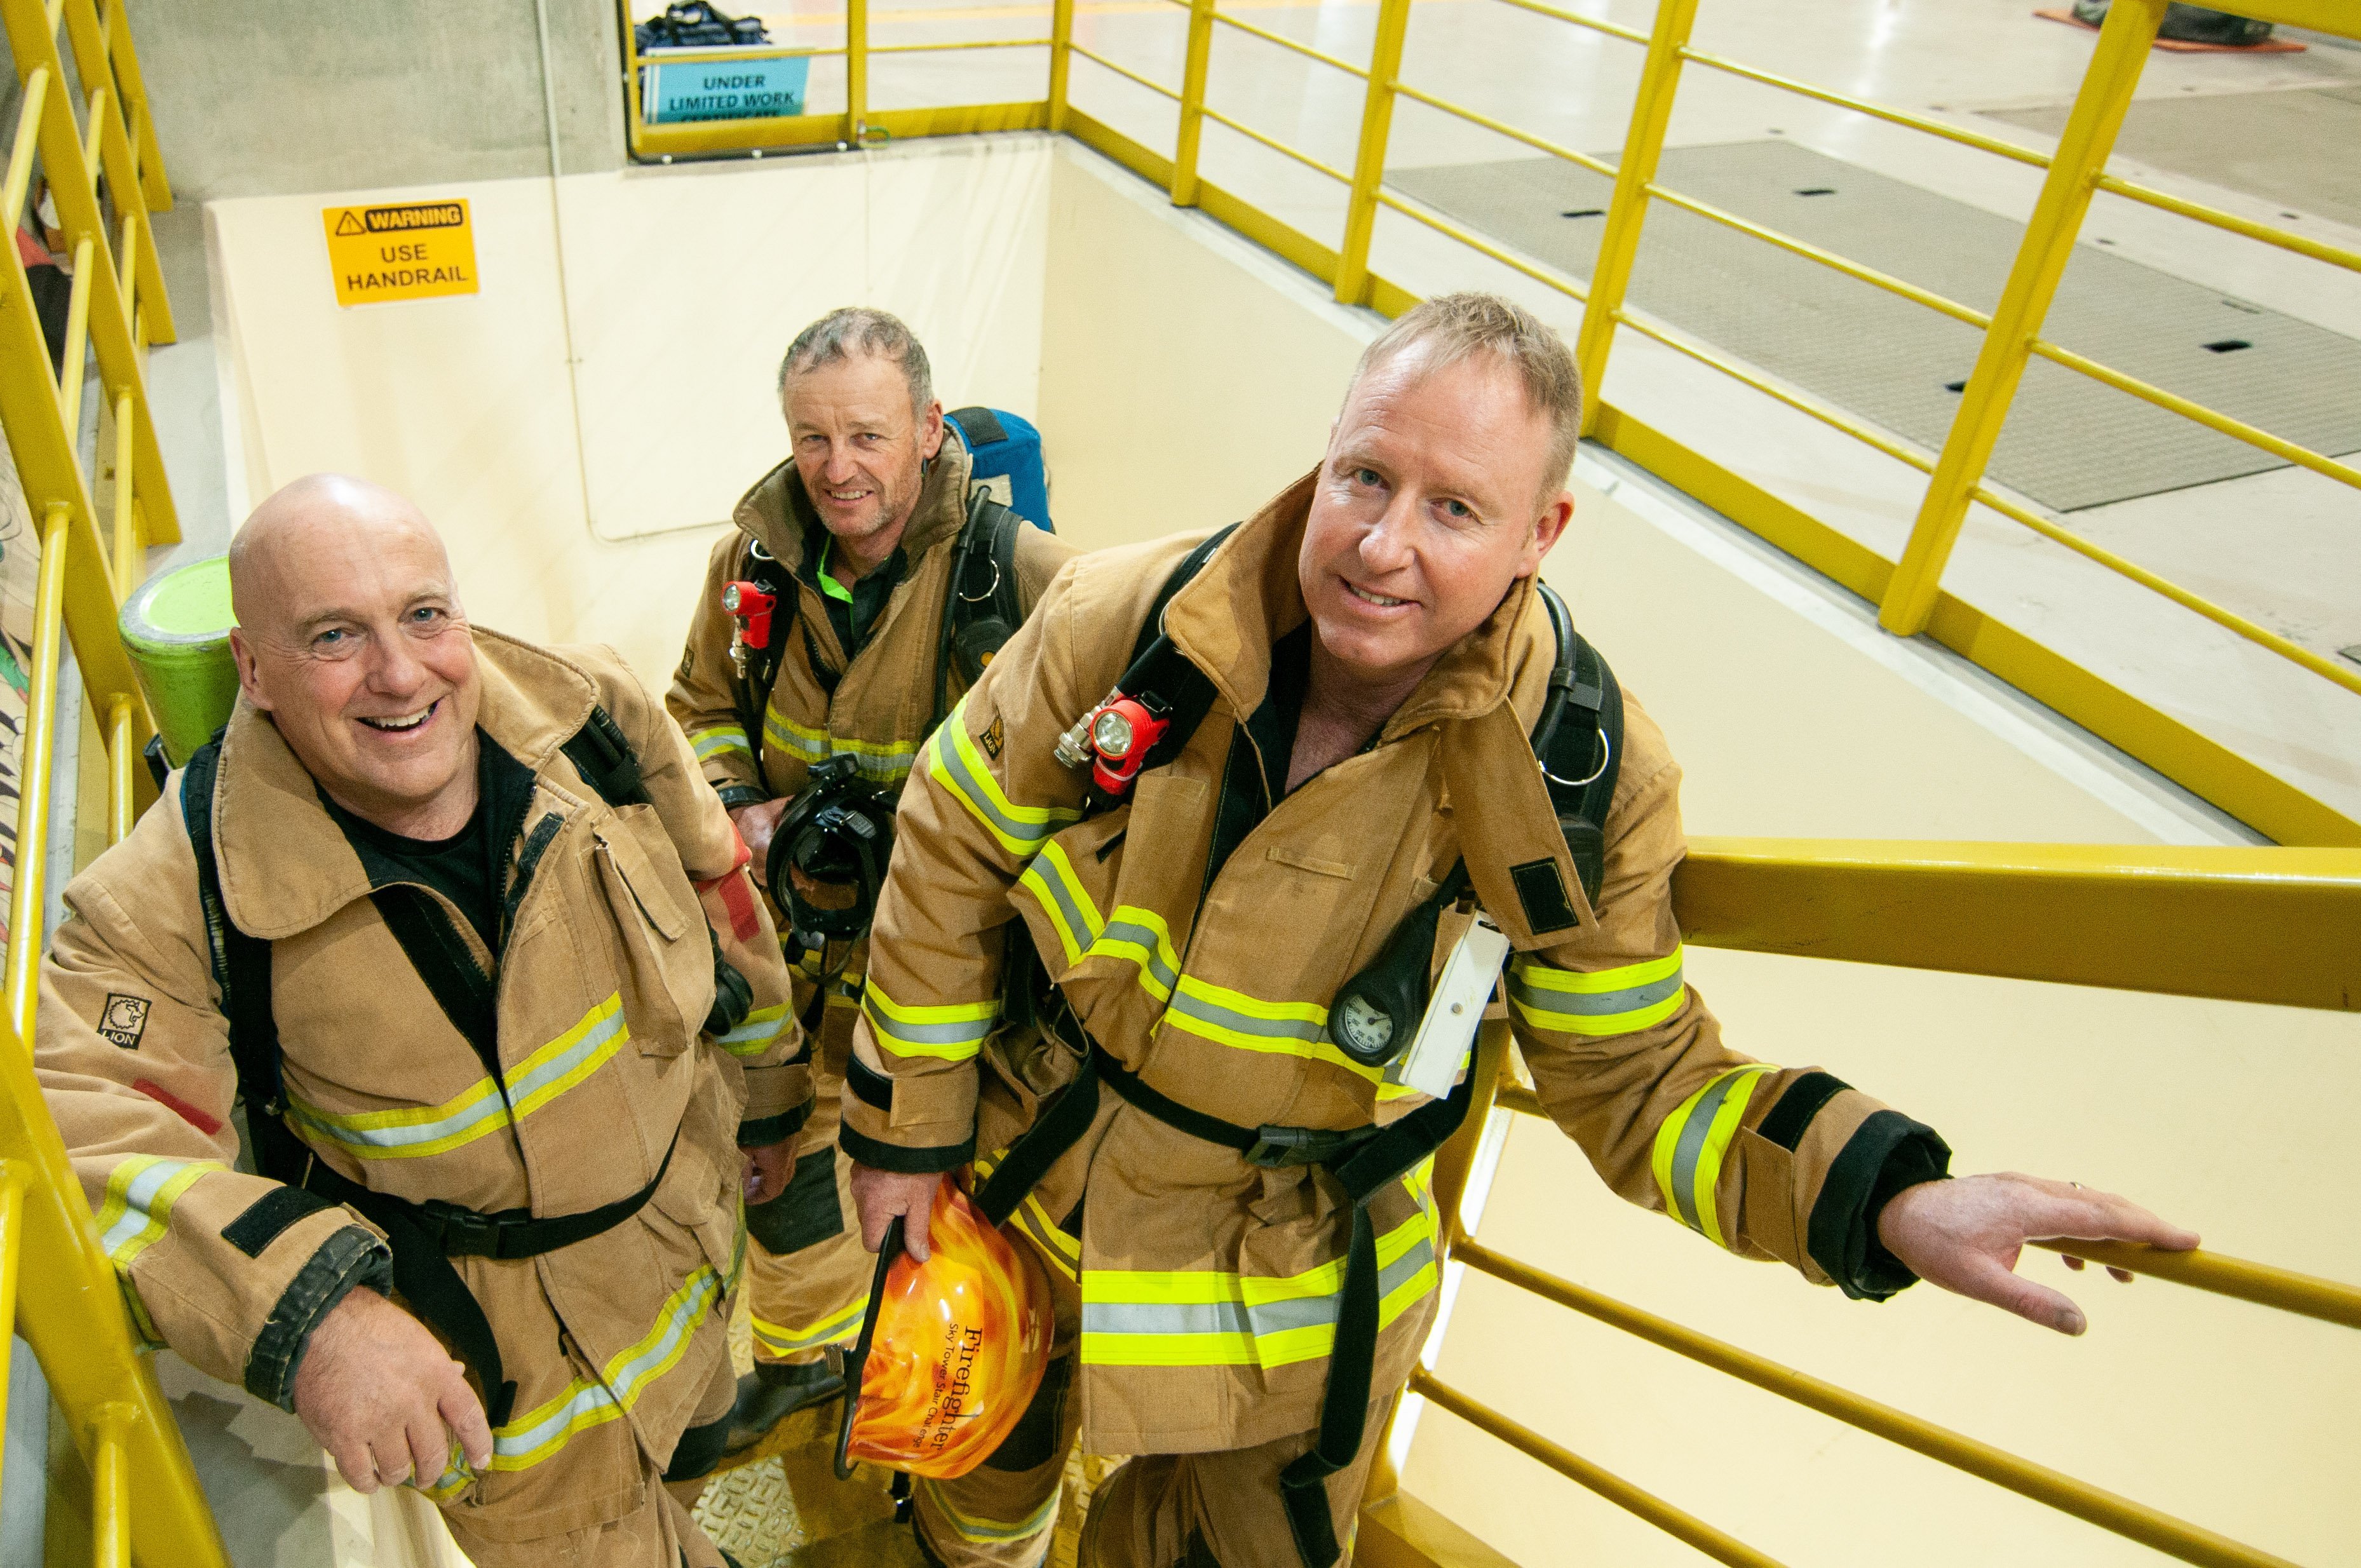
[1241, 1295]
[863, 523]
[550, 1087]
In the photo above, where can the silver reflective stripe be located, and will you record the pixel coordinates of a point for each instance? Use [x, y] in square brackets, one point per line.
[928, 1034]
[1692, 1143]
[1189, 1003]
[1596, 1003]
[1150, 942]
[1165, 1318]
[1315, 1311]
[980, 795]
[1070, 914]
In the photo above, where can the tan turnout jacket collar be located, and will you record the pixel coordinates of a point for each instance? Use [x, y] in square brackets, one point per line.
[1485, 694]
[286, 865]
[780, 516]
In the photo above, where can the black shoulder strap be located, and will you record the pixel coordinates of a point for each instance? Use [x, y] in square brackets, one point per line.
[241, 965]
[982, 611]
[603, 756]
[1580, 743]
[1161, 676]
[760, 567]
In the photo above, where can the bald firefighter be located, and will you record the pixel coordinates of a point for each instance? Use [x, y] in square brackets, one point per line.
[874, 581]
[1275, 861]
[460, 921]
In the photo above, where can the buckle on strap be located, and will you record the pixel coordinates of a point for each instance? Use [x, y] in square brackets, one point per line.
[1280, 1148]
[467, 1232]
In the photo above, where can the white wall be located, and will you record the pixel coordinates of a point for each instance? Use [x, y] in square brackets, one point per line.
[686, 285]
[1181, 377]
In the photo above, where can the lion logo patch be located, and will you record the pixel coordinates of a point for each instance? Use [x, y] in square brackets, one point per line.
[124, 1020]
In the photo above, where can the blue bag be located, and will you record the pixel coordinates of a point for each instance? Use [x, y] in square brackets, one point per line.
[1005, 447]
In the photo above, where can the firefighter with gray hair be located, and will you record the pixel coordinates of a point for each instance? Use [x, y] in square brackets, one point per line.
[868, 579]
[1196, 900]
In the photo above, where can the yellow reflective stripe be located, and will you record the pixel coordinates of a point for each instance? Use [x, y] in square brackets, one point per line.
[885, 761]
[952, 1032]
[1141, 937]
[1231, 1017]
[1603, 1002]
[955, 764]
[752, 1037]
[1064, 1250]
[711, 743]
[1051, 876]
[418, 1131]
[140, 1193]
[1687, 1160]
[1211, 1318]
[982, 1531]
[543, 1432]
[842, 1326]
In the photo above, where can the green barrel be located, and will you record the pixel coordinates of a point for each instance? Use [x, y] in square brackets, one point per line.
[176, 629]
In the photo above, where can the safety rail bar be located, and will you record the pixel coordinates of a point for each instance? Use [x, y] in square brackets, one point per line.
[2094, 1505]
[2135, 917]
[106, 176]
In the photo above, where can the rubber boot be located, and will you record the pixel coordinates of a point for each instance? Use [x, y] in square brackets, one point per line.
[775, 1390]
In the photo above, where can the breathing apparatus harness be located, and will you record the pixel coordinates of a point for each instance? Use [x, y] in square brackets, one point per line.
[424, 1235]
[1143, 723]
[838, 830]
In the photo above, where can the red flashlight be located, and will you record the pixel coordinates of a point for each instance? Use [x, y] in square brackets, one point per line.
[1122, 734]
[750, 608]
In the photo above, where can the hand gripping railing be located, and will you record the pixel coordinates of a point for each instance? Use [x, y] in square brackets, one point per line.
[56, 1286]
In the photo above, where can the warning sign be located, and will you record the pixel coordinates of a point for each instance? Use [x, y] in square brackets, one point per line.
[415, 250]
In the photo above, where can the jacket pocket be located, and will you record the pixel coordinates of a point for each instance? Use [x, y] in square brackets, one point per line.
[667, 956]
[702, 1201]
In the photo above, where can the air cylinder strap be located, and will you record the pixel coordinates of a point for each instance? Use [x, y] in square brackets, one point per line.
[426, 1236]
[1363, 1161]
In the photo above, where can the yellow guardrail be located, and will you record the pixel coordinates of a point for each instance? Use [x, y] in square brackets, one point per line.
[1909, 591]
[102, 164]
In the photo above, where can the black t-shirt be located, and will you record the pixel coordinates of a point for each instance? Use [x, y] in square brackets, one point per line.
[852, 612]
[464, 867]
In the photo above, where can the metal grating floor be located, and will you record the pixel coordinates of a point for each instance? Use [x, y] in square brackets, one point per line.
[2281, 146]
[2069, 442]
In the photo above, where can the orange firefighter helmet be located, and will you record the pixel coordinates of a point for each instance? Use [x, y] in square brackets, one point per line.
[958, 1349]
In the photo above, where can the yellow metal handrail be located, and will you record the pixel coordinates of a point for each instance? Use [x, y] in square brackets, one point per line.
[1678, 1523]
[2094, 1505]
[106, 173]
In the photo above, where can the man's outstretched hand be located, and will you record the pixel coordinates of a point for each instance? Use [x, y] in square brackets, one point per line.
[381, 1396]
[1965, 1236]
[879, 1195]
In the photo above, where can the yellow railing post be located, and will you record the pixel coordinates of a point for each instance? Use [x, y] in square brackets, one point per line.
[110, 1478]
[124, 557]
[856, 70]
[2041, 259]
[1062, 59]
[14, 1176]
[1643, 144]
[1192, 103]
[33, 778]
[1370, 164]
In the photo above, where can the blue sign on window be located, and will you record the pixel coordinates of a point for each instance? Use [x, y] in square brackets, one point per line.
[733, 90]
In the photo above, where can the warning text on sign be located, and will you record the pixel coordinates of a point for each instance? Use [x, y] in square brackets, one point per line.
[413, 250]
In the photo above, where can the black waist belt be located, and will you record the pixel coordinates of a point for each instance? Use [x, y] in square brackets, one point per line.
[426, 1235]
[1363, 1161]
